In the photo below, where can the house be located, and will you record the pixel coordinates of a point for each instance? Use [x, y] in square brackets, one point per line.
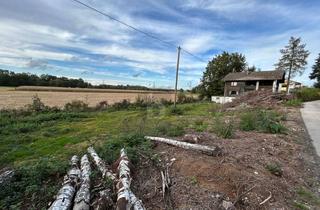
[293, 85]
[239, 82]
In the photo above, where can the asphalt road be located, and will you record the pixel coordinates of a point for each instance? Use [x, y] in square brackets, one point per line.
[311, 117]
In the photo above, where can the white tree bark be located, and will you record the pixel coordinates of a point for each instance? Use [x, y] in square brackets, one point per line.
[66, 193]
[101, 164]
[6, 176]
[214, 151]
[82, 199]
[126, 198]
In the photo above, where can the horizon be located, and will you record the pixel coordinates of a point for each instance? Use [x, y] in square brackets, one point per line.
[63, 38]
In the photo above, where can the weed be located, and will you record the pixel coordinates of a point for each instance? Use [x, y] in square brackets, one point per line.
[174, 111]
[308, 196]
[224, 128]
[300, 206]
[37, 105]
[193, 180]
[76, 106]
[293, 102]
[165, 128]
[308, 94]
[275, 169]
[248, 121]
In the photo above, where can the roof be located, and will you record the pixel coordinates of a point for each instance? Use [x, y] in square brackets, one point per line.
[257, 75]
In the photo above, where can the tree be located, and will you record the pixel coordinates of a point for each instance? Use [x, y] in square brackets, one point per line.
[217, 69]
[315, 74]
[293, 59]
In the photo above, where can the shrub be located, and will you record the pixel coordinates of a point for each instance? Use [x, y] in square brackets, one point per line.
[37, 105]
[124, 104]
[308, 94]
[102, 105]
[76, 106]
[183, 98]
[169, 129]
[224, 128]
[165, 102]
[248, 121]
[275, 169]
[174, 111]
[144, 102]
[294, 102]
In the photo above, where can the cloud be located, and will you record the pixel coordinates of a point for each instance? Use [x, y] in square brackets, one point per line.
[37, 64]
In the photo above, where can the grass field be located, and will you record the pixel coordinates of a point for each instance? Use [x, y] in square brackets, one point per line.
[11, 98]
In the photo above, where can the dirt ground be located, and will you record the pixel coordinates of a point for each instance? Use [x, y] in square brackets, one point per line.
[18, 99]
[239, 175]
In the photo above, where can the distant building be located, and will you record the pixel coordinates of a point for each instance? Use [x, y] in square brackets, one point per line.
[240, 82]
[293, 85]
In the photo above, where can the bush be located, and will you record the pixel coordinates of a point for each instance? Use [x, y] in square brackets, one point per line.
[174, 111]
[308, 94]
[37, 105]
[262, 120]
[35, 183]
[76, 106]
[224, 128]
[102, 105]
[183, 98]
[144, 102]
[165, 128]
[294, 102]
[165, 102]
[275, 169]
[124, 104]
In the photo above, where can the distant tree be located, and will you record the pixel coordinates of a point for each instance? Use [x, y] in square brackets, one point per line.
[253, 68]
[315, 74]
[293, 59]
[217, 69]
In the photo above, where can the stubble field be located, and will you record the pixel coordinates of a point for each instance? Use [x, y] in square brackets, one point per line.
[18, 98]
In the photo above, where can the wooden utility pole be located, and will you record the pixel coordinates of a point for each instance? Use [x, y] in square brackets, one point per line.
[177, 73]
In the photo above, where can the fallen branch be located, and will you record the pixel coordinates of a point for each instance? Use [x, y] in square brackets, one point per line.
[6, 176]
[66, 193]
[166, 183]
[126, 198]
[82, 199]
[268, 198]
[214, 151]
[101, 164]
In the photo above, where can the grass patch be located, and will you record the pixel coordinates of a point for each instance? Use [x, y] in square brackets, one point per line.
[308, 94]
[274, 168]
[224, 128]
[294, 102]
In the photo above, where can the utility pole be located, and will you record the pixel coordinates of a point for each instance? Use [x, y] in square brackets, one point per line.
[177, 73]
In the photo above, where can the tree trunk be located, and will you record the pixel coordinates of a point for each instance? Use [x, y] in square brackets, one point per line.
[82, 199]
[66, 193]
[126, 199]
[101, 164]
[213, 151]
[289, 77]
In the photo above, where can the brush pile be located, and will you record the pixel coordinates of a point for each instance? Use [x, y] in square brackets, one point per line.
[265, 98]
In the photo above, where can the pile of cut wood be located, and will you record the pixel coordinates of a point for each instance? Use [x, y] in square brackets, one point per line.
[264, 98]
[75, 191]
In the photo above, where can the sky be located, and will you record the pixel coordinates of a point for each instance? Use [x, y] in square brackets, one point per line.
[64, 38]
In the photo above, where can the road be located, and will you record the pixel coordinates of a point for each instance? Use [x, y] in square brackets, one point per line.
[311, 117]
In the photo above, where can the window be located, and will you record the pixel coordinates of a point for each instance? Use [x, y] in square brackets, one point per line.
[233, 93]
[233, 84]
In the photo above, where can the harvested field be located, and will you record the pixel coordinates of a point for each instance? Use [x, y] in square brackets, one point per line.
[10, 98]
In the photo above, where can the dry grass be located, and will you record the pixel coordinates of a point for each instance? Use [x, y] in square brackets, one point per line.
[10, 98]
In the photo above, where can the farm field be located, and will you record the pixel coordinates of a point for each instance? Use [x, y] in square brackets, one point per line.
[53, 96]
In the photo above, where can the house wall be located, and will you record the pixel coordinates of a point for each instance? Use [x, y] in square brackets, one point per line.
[246, 86]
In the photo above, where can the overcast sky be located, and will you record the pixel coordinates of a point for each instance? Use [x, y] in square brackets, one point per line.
[63, 38]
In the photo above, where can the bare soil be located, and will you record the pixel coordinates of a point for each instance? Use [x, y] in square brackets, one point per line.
[239, 175]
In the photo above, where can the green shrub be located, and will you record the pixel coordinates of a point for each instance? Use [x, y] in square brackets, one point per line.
[76, 106]
[308, 94]
[124, 104]
[35, 183]
[294, 102]
[184, 98]
[102, 105]
[37, 105]
[275, 169]
[174, 110]
[248, 121]
[165, 102]
[224, 128]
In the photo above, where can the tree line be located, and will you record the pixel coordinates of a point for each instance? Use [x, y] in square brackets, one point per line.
[12, 79]
[293, 61]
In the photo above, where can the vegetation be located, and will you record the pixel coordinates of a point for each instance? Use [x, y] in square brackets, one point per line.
[293, 59]
[12, 79]
[275, 169]
[217, 69]
[308, 94]
[294, 102]
[262, 120]
[315, 74]
[224, 128]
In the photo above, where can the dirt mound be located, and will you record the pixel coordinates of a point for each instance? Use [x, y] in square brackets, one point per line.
[264, 98]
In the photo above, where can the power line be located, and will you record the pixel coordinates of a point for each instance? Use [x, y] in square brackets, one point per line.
[136, 29]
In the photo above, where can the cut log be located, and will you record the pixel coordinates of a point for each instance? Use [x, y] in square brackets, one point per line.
[126, 198]
[65, 195]
[82, 199]
[213, 151]
[101, 164]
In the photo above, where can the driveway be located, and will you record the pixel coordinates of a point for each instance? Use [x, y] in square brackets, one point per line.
[311, 117]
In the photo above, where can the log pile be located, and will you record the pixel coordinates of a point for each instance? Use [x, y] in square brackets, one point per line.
[75, 192]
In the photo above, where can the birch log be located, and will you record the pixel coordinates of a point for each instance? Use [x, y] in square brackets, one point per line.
[66, 193]
[126, 198]
[213, 151]
[82, 199]
[101, 164]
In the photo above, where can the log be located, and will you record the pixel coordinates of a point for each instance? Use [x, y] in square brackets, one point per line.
[6, 175]
[101, 164]
[213, 151]
[82, 199]
[126, 198]
[65, 195]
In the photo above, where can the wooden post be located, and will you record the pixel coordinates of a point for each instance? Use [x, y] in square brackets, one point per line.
[177, 74]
